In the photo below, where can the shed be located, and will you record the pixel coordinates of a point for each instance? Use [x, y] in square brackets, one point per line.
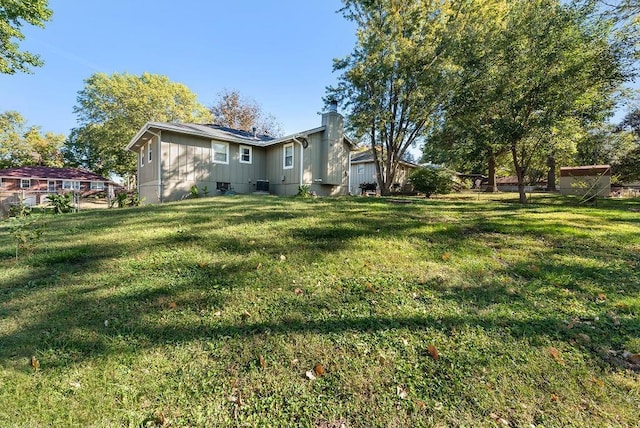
[586, 181]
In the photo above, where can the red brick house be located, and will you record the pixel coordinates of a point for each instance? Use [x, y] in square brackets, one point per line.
[39, 181]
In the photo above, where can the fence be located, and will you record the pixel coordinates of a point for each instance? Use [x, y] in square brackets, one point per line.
[35, 198]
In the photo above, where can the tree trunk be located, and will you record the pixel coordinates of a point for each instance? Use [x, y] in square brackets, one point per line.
[551, 176]
[492, 187]
[520, 174]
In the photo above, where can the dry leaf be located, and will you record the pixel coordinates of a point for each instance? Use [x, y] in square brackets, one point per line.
[497, 418]
[318, 369]
[263, 364]
[173, 305]
[556, 355]
[554, 397]
[433, 351]
[597, 381]
[202, 265]
[283, 257]
[632, 358]
[259, 266]
[298, 291]
[584, 337]
[217, 313]
[420, 404]
[370, 287]
[535, 269]
[294, 362]
[438, 406]
[602, 296]
[446, 256]
[616, 321]
[402, 393]
[405, 342]
[310, 375]
[35, 363]
[245, 315]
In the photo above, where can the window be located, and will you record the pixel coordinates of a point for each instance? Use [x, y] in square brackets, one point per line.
[222, 186]
[287, 160]
[25, 183]
[51, 186]
[1, 182]
[360, 169]
[97, 185]
[71, 185]
[142, 156]
[245, 154]
[149, 152]
[220, 152]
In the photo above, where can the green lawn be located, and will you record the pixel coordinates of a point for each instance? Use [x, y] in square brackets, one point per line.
[456, 311]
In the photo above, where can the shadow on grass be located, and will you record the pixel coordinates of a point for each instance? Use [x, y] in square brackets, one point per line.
[137, 303]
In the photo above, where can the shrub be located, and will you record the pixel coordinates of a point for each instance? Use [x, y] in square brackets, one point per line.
[431, 181]
[61, 203]
[303, 191]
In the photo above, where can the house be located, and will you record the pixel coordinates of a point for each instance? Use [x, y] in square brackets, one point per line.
[586, 181]
[36, 182]
[510, 184]
[363, 173]
[173, 157]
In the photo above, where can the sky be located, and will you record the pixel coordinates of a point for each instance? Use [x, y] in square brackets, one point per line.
[278, 53]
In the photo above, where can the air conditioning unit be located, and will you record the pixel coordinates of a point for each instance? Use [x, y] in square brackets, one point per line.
[262, 185]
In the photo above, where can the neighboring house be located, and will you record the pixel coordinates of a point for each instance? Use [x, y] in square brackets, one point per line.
[593, 180]
[510, 184]
[173, 157]
[36, 182]
[363, 172]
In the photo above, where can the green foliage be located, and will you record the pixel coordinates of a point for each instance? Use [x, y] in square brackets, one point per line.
[112, 108]
[27, 233]
[431, 181]
[13, 14]
[23, 145]
[19, 210]
[127, 199]
[61, 203]
[304, 191]
[205, 191]
[194, 192]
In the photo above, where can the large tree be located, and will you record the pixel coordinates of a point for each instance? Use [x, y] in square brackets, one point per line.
[549, 62]
[393, 82]
[13, 15]
[112, 108]
[234, 111]
[24, 145]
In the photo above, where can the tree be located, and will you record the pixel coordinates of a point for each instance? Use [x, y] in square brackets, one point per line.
[112, 108]
[233, 111]
[23, 145]
[13, 14]
[550, 61]
[393, 81]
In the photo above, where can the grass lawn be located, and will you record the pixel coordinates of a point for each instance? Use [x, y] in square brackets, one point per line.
[468, 310]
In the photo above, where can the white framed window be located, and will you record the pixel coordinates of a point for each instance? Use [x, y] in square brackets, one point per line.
[51, 186]
[97, 185]
[360, 169]
[70, 185]
[149, 152]
[1, 182]
[246, 154]
[220, 152]
[142, 156]
[287, 156]
[25, 183]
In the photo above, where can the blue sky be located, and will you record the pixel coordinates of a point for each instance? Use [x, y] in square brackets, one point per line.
[278, 53]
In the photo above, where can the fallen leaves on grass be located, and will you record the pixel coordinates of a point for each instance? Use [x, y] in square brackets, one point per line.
[555, 354]
[602, 297]
[318, 369]
[298, 291]
[310, 375]
[632, 358]
[173, 305]
[283, 258]
[262, 362]
[499, 420]
[370, 287]
[433, 352]
[202, 265]
[446, 257]
[401, 392]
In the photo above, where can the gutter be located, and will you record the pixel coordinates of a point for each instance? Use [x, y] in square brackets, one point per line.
[302, 147]
[159, 155]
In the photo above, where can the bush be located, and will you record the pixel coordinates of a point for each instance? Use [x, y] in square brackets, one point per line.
[303, 191]
[431, 181]
[61, 203]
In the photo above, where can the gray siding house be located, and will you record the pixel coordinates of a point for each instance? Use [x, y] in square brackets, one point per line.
[172, 157]
[363, 171]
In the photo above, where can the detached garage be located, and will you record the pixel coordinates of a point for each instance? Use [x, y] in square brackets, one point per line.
[587, 181]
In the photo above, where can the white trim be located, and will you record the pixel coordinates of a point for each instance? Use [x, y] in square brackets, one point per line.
[142, 156]
[284, 156]
[22, 186]
[99, 185]
[70, 185]
[240, 149]
[149, 152]
[213, 152]
[55, 187]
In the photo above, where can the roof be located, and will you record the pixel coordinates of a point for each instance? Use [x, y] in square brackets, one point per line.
[215, 132]
[45, 172]
[584, 171]
[367, 156]
[513, 180]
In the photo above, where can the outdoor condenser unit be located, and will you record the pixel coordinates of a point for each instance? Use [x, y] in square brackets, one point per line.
[262, 185]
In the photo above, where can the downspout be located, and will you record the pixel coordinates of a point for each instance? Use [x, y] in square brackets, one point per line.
[159, 156]
[349, 174]
[295, 139]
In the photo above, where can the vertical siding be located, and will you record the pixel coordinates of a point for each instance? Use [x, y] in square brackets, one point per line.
[283, 181]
